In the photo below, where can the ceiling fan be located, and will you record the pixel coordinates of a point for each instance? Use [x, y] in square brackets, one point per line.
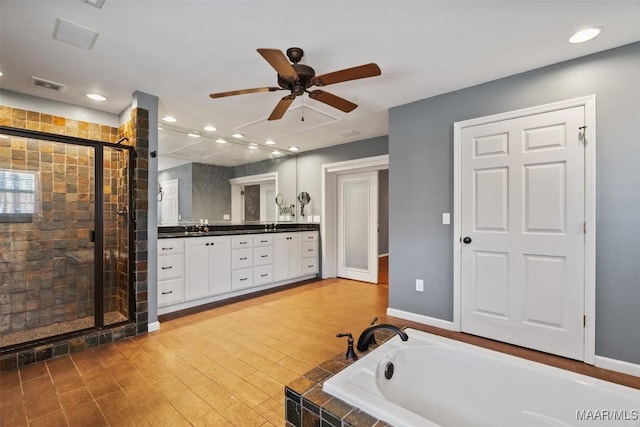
[298, 78]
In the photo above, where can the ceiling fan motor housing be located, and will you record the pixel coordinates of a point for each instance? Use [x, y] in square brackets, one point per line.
[297, 87]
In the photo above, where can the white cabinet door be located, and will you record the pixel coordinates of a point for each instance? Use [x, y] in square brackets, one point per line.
[287, 256]
[220, 262]
[197, 266]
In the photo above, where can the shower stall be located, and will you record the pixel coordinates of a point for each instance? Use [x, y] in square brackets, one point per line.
[65, 250]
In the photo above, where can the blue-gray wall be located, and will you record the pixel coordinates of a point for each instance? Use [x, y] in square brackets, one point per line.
[383, 212]
[421, 187]
[310, 165]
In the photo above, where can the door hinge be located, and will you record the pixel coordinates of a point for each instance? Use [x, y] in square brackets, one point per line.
[584, 227]
[582, 134]
[584, 321]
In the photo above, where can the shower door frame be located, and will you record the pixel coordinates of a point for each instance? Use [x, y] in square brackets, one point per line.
[98, 224]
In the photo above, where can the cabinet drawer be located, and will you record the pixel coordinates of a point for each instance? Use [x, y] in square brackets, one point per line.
[241, 279]
[170, 246]
[262, 240]
[239, 242]
[310, 266]
[309, 249]
[262, 275]
[170, 291]
[170, 266]
[263, 255]
[309, 236]
[241, 258]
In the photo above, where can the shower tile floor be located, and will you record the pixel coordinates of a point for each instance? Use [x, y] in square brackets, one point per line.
[57, 329]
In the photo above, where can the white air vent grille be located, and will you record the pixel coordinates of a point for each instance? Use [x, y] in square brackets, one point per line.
[47, 84]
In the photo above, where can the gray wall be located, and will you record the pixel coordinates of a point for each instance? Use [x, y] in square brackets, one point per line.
[310, 164]
[421, 186]
[383, 212]
[211, 192]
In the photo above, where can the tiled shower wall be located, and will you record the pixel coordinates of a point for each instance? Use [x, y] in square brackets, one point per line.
[137, 131]
[46, 270]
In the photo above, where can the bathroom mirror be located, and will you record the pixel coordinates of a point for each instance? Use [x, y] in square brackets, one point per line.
[224, 182]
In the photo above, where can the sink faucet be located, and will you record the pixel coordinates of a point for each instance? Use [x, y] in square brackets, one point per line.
[365, 336]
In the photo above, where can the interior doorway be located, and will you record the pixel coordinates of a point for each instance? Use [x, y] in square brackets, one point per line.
[329, 219]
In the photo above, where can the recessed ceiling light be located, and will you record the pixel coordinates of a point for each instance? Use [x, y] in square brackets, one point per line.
[221, 141]
[237, 135]
[210, 128]
[293, 148]
[270, 142]
[96, 97]
[95, 3]
[0, 73]
[585, 35]
[169, 119]
[194, 134]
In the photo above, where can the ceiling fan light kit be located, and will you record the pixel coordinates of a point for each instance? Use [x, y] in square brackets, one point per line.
[298, 78]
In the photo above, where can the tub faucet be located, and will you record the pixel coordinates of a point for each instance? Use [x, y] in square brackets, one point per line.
[365, 336]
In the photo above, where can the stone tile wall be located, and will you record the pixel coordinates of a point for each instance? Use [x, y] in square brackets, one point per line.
[70, 201]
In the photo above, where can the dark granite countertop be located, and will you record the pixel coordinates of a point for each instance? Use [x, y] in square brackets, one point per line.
[173, 232]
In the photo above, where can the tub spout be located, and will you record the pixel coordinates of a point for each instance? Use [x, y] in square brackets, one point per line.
[365, 336]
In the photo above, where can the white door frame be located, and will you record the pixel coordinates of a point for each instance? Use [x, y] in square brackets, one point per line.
[237, 206]
[329, 197]
[589, 104]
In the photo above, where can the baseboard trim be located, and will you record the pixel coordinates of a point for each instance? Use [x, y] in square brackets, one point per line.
[618, 366]
[425, 320]
[153, 326]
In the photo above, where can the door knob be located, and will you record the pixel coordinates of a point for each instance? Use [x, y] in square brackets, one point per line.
[466, 240]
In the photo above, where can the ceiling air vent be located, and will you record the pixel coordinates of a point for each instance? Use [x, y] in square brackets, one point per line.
[47, 84]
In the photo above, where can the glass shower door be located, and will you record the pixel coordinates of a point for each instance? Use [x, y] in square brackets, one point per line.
[116, 219]
[47, 214]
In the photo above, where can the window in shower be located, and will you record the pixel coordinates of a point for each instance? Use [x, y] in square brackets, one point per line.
[64, 265]
[17, 196]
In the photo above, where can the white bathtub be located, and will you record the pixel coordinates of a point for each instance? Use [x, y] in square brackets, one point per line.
[442, 382]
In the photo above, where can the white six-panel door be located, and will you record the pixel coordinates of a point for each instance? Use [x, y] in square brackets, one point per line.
[522, 224]
[358, 226]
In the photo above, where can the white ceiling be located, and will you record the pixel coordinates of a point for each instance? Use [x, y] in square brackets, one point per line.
[183, 50]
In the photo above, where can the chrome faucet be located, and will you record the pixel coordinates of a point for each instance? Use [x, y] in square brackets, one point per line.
[365, 336]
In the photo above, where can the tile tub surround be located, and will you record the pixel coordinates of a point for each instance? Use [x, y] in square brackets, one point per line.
[307, 405]
[136, 129]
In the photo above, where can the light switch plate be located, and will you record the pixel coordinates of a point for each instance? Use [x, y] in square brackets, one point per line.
[316, 218]
[446, 218]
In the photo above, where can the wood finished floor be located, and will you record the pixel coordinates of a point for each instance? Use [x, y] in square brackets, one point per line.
[222, 367]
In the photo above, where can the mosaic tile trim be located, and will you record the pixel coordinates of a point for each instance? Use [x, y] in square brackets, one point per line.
[307, 405]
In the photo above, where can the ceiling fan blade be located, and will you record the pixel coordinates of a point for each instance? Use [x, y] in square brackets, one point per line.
[333, 100]
[243, 91]
[353, 73]
[281, 108]
[279, 62]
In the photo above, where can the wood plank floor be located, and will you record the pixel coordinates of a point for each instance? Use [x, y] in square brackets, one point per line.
[221, 367]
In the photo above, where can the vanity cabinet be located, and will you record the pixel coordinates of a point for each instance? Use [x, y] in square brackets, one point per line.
[170, 271]
[287, 257]
[198, 270]
[208, 266]
[310, 252]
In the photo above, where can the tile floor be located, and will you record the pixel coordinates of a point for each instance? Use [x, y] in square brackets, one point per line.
[222, 367]
[226, 366]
